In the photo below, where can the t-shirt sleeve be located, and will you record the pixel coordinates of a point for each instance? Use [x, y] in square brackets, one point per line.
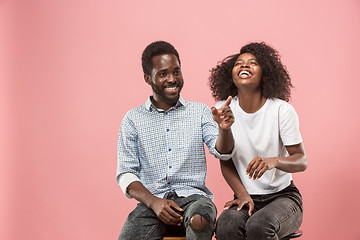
[289, 125]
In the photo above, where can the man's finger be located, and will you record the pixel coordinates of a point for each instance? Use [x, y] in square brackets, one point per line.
[177, 207]
[170, 210]
[214, 111]
[228, 101]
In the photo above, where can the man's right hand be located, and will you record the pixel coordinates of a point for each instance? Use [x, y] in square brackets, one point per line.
[164, 210]
[224, 116]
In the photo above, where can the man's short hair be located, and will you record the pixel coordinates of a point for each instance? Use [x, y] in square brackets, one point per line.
[155, 49]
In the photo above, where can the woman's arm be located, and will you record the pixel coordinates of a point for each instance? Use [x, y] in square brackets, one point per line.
[232, 178]
[295, 162]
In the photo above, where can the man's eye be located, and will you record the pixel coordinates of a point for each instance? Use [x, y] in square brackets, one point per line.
[162, 74]
[177, 73]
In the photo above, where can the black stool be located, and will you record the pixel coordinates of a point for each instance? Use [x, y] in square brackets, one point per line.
[296, 234]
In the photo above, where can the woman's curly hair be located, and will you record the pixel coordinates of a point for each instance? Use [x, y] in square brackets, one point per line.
[275, 81]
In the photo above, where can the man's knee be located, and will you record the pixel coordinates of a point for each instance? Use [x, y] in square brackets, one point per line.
[198, 222]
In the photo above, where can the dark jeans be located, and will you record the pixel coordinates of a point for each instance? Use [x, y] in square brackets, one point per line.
[142, 223]
[275, 216]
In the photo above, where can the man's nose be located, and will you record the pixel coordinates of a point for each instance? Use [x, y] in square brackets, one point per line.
[171, 78]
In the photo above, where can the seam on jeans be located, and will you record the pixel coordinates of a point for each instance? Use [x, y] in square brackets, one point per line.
[147, 236]
[291, 214]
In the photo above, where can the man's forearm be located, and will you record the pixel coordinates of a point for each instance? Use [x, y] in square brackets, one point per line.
[139, 192]
[225, 142]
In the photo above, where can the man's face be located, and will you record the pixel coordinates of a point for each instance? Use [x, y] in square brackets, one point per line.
[166, 79]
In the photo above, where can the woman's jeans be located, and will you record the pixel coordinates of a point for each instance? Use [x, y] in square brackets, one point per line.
[142, 223]
[275, 216]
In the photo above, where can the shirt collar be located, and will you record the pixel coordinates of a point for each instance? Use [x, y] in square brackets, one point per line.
[150, 106]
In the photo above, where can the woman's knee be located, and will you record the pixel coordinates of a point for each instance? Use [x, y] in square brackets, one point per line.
[259, 229]
[231, 225]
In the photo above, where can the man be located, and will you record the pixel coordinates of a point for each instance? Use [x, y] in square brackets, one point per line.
[161, 155]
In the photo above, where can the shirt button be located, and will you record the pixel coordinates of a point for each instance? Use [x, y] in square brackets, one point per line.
[167, 130]
[169, 149]
[170, 166]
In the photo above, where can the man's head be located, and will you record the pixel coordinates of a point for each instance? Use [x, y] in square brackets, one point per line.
[155, 49]
[161, 66]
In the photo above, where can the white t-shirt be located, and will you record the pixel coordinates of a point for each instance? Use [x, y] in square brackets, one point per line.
[264, 133]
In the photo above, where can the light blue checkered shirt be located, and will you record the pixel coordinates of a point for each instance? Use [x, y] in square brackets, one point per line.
[165, 149]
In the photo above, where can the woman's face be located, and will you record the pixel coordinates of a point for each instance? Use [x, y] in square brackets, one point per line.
[247, 72]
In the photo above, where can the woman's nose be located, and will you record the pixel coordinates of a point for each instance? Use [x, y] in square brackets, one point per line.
[244, 65]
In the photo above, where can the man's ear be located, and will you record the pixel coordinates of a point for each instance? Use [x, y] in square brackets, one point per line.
[147, 78]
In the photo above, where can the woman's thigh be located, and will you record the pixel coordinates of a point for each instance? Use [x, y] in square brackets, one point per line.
[280, 217]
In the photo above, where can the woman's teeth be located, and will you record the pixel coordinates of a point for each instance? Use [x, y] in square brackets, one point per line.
[244, 73]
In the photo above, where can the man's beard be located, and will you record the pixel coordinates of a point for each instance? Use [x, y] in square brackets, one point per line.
[160, 92]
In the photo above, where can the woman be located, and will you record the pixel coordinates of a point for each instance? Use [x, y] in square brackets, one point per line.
[268, 146]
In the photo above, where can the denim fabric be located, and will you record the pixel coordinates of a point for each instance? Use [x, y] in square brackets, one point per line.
[142, 223]
[275, 216]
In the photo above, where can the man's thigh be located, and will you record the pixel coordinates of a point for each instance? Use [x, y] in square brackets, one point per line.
[142, 223]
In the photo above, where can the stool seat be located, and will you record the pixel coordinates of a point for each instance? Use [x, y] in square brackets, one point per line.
[296, 234]
[174, 238]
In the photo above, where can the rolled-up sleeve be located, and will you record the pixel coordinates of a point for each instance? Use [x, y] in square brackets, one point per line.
[210, 134]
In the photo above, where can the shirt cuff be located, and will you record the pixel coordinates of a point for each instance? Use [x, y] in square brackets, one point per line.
[226, 156]
[125, 181]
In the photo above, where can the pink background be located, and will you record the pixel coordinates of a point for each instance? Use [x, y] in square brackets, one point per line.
[71, 69]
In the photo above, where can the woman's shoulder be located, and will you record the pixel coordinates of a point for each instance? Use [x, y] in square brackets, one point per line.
[280, 104]
[282, 108]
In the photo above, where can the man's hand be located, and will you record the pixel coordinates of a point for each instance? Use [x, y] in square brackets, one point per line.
[258, 166]
[241, 201]
[224, 116]
[164, 210]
